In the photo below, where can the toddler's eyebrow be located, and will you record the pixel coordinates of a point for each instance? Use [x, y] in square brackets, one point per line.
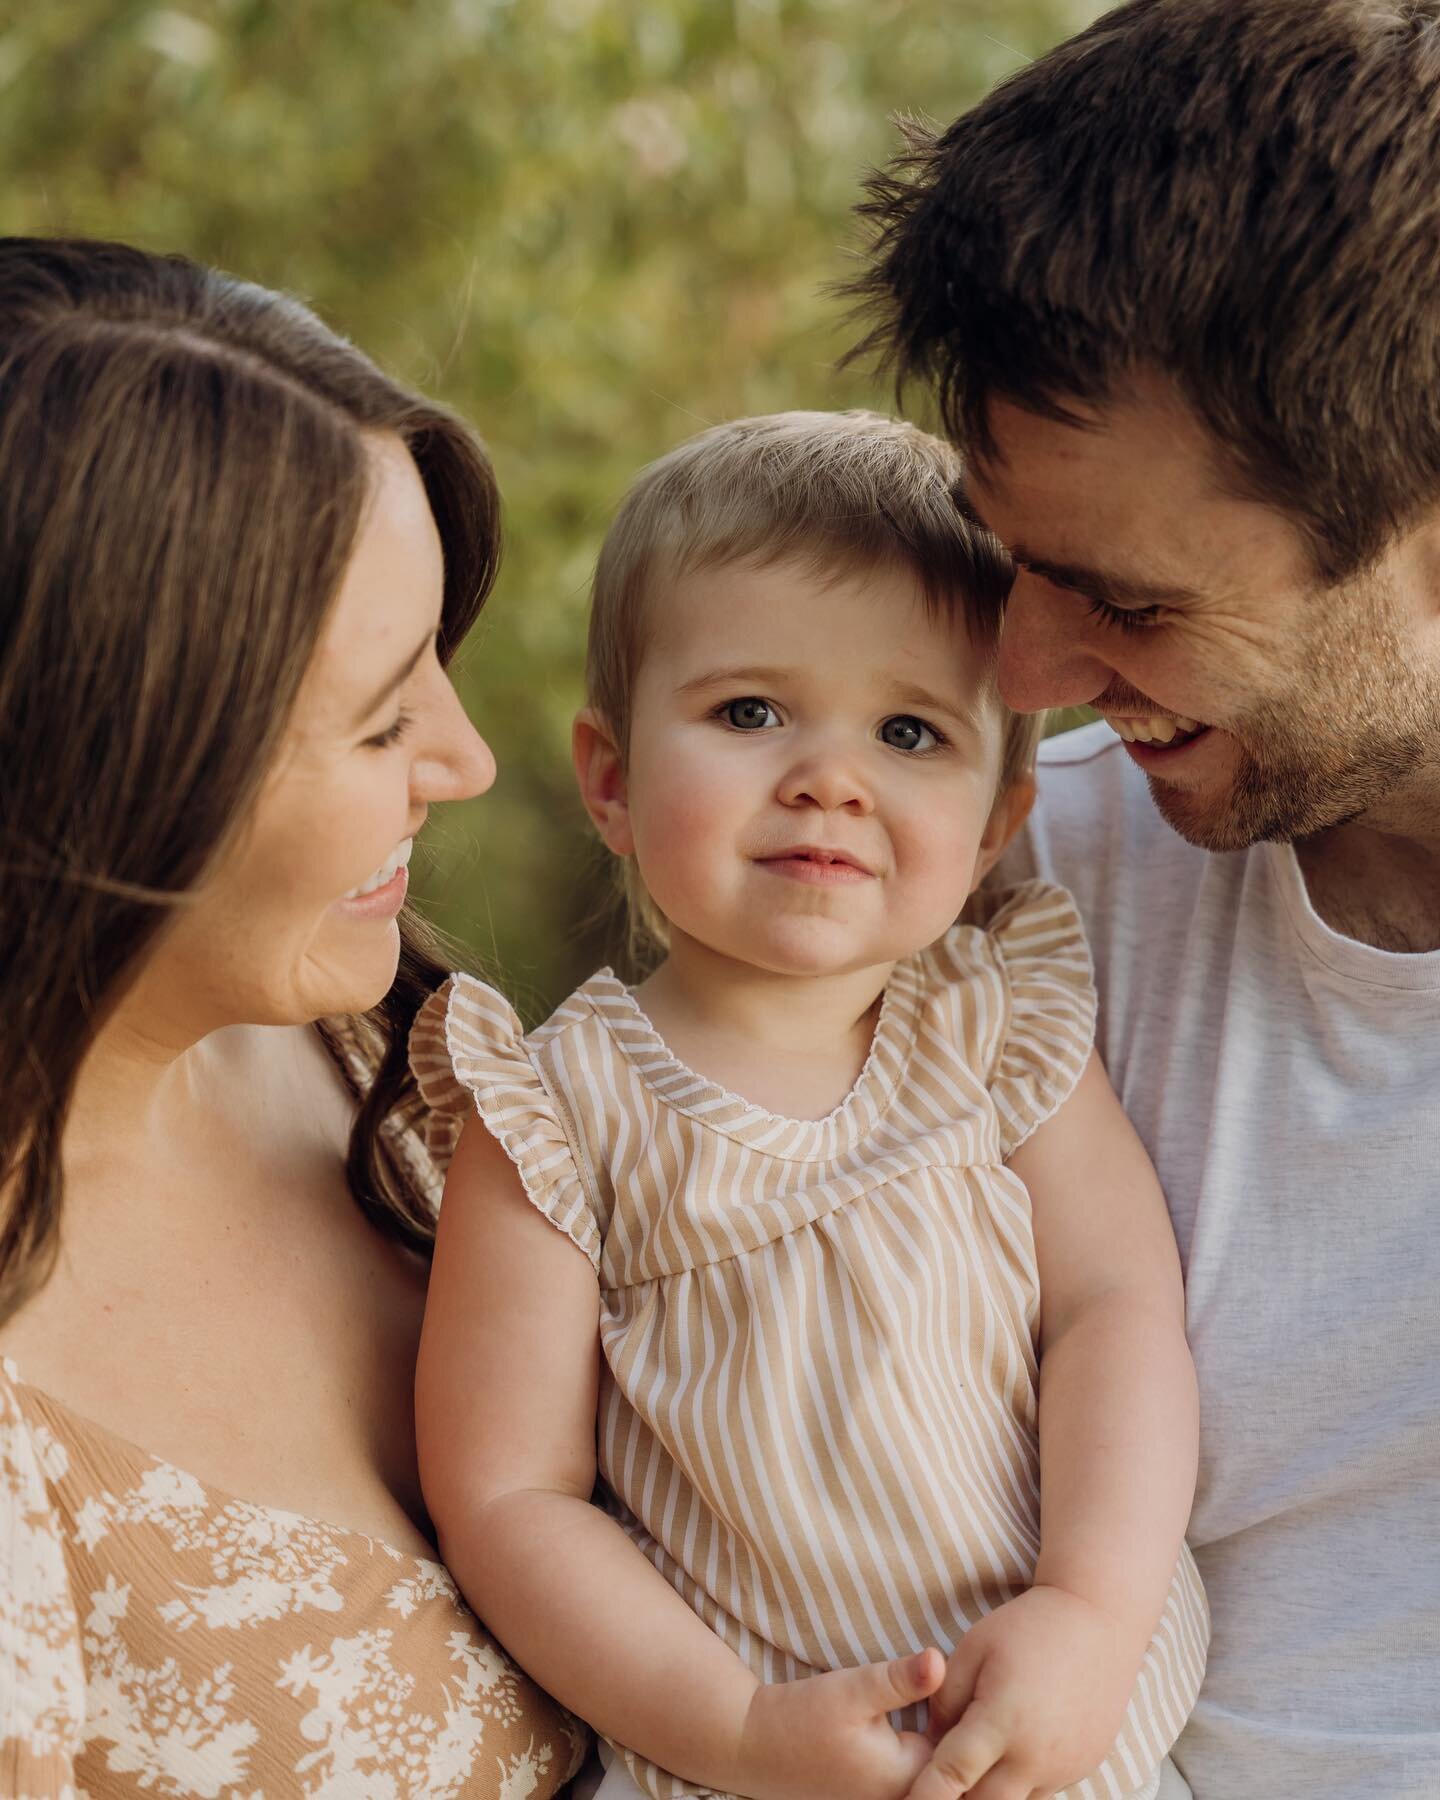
[738, 674]
[909, 693]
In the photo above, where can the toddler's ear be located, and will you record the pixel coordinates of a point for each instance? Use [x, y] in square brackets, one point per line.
[1009, 813]
[600, 771]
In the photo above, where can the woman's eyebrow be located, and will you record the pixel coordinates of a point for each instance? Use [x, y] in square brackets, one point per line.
[400, 675]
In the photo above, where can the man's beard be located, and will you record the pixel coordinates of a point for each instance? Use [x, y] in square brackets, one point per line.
[1283, 791]
[1354, 722]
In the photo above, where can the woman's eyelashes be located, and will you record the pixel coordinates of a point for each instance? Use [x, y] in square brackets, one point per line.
[901, 731]
[393, 732]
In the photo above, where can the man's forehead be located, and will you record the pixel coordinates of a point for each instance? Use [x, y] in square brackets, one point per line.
[1134, 490]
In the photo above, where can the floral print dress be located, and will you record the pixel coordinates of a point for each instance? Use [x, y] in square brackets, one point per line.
[160, 1638]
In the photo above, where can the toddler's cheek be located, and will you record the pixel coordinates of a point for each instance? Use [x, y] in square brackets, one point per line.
[941, 869]
[680, 852]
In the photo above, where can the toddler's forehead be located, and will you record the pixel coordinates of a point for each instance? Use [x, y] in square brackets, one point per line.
[872, 628]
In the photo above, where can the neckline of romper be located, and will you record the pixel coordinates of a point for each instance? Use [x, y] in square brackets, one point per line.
[686, 1091]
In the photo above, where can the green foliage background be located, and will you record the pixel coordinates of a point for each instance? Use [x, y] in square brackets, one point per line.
[591, 225]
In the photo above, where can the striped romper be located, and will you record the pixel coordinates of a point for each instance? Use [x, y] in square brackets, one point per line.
[818, 1412]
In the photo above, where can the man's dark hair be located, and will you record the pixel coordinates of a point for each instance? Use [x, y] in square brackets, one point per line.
[1244, 194]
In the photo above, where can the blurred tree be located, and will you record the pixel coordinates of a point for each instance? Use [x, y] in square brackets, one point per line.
[591, 225]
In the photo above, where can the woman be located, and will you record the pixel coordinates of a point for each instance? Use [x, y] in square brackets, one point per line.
[235, 562]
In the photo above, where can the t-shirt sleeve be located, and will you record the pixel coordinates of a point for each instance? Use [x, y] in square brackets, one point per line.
[42, 1671]
[1036, 933]
[470, 1059]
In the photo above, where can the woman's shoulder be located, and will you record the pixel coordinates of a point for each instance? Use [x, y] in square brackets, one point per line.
[187, 1635]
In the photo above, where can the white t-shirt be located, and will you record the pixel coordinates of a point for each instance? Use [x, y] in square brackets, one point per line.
[1286, 1081]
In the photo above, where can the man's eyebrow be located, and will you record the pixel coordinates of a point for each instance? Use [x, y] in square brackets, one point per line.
[402, 674]
[1094, 584]
[1100, 584]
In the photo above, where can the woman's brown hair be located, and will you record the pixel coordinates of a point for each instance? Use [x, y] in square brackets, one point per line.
[182, 476]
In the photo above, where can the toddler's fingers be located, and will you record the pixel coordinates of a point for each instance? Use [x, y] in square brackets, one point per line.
[956, 1691]
[1002, 1783]
[871, 1691]
[906, 1680]
[847, 1697]
[915, 1754]
[962, 1758]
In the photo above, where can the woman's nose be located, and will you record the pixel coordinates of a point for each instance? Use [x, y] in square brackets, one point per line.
[828, 779]
[454, 762]
[1046, 658]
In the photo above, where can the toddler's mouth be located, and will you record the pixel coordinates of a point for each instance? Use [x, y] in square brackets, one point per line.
[815, 864]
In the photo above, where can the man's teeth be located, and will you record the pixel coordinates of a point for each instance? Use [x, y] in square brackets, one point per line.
[386, 872]
[1152, 730]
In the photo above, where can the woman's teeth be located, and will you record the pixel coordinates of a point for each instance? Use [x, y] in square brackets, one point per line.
[1153, 730]
[386, 872]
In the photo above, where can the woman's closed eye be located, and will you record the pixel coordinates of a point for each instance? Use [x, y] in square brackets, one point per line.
[903, 731]
[749, 713]
[393, 732]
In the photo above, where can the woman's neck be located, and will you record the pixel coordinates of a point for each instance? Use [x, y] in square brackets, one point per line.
[792, 1044]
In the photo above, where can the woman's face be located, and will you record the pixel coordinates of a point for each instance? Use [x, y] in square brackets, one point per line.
[299, 920]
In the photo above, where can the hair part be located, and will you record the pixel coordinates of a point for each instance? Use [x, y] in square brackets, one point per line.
[1241, 194]
[835, 491]
[183, 471]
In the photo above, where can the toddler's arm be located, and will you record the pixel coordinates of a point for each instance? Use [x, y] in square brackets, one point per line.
[1040, 1688]
[505, 1413]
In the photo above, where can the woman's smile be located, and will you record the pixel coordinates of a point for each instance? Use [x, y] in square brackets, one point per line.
[381, 895]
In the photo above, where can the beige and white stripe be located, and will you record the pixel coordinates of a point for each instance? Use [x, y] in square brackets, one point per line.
[819, 1411]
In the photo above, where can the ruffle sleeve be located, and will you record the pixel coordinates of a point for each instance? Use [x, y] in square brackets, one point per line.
[1050, 1023]
[469, 1056]
[42, 1671]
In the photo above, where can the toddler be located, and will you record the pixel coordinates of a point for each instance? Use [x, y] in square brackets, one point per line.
[827, 1245]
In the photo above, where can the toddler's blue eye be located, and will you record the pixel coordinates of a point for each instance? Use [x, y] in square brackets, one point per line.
[750, 714]
[906, 733]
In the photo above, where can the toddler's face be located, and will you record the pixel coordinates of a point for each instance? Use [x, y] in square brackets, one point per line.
[812, 767]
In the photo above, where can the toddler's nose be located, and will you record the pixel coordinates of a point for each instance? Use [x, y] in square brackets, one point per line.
[831, 782]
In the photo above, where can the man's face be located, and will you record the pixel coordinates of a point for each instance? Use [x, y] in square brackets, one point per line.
[1263, 704]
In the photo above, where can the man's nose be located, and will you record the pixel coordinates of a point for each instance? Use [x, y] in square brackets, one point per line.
[1045, 656]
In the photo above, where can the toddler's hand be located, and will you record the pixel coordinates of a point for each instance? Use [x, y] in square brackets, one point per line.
[1039, 1690]
[828, 1735]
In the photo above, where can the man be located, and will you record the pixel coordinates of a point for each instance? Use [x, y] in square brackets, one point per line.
[1177, 285]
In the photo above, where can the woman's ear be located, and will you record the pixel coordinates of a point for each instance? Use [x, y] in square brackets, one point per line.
[600, 771]
[1007, 815]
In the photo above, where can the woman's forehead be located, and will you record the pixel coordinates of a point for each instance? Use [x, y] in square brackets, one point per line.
[391, 593]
